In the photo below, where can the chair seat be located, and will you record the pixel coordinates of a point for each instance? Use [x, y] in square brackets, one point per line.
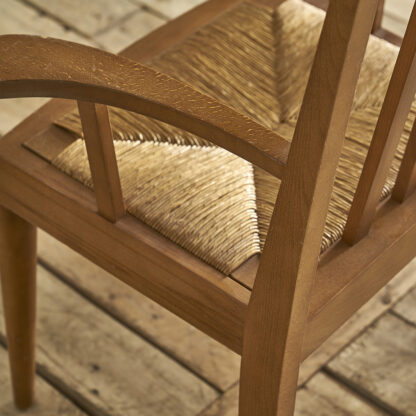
[212, 203]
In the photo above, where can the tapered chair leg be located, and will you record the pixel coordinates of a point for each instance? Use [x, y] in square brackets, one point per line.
[267, 384]
[18, 278]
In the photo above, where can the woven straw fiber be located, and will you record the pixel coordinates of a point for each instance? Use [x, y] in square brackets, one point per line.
[209, 201]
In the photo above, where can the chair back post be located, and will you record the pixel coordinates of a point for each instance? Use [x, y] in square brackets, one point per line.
[102, 159]
[279, 302]
[406, 178]
[393, 115]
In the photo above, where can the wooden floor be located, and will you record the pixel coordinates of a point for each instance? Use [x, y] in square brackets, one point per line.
[105, 350]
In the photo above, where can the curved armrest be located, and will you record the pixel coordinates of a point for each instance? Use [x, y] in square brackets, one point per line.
[43, 67]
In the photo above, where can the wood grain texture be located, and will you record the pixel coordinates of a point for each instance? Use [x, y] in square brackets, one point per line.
[64, 184]
[18, 281]
[362, 270]
[396, 15]
[406, 178]
[170, 9]
[156, 267]
[87, 17]
[102, 160]
[48, 401]
[101, 365]
[360, 321]
[396, 105]
[380, 364]
[279, 303]
[194, 349]
[406, 307]
[19, 18]
[87, 74]
[135, 27]
[322, 396]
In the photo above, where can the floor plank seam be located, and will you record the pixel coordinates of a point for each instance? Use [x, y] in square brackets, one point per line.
[45, 376]
[60, 21]
[358, 334]
[363, 394]
[401, 317]
[123, 19]
[61, 277]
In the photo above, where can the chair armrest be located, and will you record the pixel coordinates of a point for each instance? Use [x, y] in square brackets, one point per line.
[32, 66]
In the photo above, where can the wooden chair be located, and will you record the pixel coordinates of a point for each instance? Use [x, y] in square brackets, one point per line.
[299, 297]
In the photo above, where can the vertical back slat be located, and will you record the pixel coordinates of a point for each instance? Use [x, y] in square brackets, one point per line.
[386, 137]
[279, 302]
[379, 15]
[406, 179]
[102, 159]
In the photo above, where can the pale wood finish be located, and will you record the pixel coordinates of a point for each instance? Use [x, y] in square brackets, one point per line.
[18, 17]
[18, 281]
[405, 308]
[386, 136]
[278, 308]
[406, 178]
[48, 401]
[102, 159]
[87, 17]
[132, 251]
[379, 15]
[194, 349]
[120, 82]
[100, 364]
[139, 256]
[359, 321]
[383, 367]
[321, 396]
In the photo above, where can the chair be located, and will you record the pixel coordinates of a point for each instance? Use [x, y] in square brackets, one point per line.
[198, 228]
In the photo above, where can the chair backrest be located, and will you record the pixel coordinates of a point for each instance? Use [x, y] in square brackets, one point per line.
[289, 261]
[279, 303]
[309, 169]
[396, 107]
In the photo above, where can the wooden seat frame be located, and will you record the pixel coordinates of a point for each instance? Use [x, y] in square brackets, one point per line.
[296, 301]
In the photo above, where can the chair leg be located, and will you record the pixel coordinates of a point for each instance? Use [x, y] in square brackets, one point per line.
[18, 278]
[268, 381]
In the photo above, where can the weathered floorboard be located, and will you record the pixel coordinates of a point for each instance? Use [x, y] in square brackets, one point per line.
[136, 26]
[362, 319]
[322, 396]
[381, 364]
[48, 401]
[169, 8]
[19, 18]
[87, 17]
[102, 366]
[196, 350]
[406, 308]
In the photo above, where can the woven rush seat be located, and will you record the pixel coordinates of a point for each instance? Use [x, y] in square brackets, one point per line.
[212, 203]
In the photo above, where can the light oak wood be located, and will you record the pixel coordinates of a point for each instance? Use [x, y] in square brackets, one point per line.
[386, 136]
[49, 402]
[102, 159]
[194, 349]
[18, 281]
[406, 178]
[278, 308]
[383, 367]
[218, 305]
[405, 308]
[379, 15]
[120, 82]
[99, 364]
[359, 321]
[89, 17]
[321, 396]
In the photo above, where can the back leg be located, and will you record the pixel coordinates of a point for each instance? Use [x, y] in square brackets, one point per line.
[18, 278]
